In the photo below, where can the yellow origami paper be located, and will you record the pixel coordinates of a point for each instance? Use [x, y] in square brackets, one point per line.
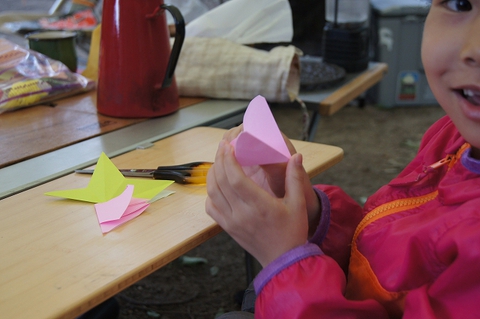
[107, 182]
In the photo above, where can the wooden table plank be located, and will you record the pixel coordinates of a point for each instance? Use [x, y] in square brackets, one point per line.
[36, 130]
[55, 258]
[328, 101]
[351, 90]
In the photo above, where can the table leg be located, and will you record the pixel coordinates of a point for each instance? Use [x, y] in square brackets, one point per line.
[249, 267]
[312, 128]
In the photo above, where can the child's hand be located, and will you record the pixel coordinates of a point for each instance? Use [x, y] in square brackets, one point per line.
[261, 222]
[271, 178]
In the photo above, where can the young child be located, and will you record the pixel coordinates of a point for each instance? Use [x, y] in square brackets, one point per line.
[413, 251]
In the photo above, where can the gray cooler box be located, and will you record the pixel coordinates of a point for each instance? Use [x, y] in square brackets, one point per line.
[397, 35]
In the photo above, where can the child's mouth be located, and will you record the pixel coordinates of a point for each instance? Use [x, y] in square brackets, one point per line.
[471, 96]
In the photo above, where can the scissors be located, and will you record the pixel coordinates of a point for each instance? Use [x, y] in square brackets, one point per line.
[188, 173]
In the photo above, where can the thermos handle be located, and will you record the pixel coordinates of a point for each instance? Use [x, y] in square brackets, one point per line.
[177, 44]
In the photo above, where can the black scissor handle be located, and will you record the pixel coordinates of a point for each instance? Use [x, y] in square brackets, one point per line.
[186, 166]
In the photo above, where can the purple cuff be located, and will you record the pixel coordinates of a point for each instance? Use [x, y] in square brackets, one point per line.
[470, 163]
[322, 227]
[284, 261]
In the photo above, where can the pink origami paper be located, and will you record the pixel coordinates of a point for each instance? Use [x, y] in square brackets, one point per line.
[119, 210]
[261, 141]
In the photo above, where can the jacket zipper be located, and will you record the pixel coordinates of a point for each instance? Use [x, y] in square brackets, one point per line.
[448, 159]
[402, 204]
[392, 207]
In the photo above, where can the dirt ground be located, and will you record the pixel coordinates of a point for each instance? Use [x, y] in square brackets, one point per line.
[377, 143]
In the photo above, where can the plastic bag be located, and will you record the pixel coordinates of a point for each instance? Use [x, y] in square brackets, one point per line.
[29, 78]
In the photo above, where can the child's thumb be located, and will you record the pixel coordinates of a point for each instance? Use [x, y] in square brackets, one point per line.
[294, 183]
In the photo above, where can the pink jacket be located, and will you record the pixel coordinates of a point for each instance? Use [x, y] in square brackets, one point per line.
[413, 251]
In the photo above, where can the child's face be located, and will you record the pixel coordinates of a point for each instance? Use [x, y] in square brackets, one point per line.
[451, 57]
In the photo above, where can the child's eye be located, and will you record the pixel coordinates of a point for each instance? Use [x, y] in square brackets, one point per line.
[458, 5]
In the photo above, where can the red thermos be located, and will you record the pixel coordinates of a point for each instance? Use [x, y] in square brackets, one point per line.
[136, 63]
